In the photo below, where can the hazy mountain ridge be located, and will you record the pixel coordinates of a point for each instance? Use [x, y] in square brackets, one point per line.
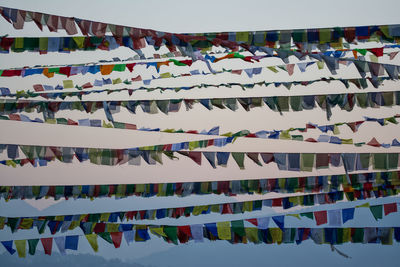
[63, 261]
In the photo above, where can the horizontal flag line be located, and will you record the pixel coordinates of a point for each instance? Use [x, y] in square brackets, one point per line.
[289, 94]
[248, 58]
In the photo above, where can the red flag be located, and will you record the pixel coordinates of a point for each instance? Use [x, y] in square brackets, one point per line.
[116, 238]
[377, 51]
[389, 208]
[47, 245]
[374, 142]
[321, 217]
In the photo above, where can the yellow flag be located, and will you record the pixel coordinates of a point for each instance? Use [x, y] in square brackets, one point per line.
[79, 41]
[276, 235]
[73, 225]
[19, 42]
[294, 215]
[165, 75]
[2, 222]
[336, 130]
[59, 218]
[112, 227]
[92, 239]
[285, 135]
[365, 205]
[21, 248]
[26, 223]
[117, 81]
[224, 230]
[104, 217]
[51, 121]
[158, 231]
[252, 234]
[68, 84]
[346, 235]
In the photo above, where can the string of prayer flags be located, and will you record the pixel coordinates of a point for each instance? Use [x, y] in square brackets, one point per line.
[47, 91]
[139, 37]
[375, 68]
[375, 181]
[213, 231]
[152, 154]
[108, 222]
[276, 134]
[276, 103]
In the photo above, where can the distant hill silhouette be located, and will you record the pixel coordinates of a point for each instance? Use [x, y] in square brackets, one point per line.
[57, 260]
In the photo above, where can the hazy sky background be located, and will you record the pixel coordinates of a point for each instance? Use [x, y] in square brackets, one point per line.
[204, 16]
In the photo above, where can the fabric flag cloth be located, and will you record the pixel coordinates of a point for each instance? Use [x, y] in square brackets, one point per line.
[60, 242]
[32, 243]
[129, 236]
[47, 245]
[348, 214]
[334, 218]
[321, 217]
[21, 248]
[92, 239]
[8, 245]
[116, 238]
[197, 232]
[280, 221]
[263, 223]
[389, 208]
[224, 230]
[71, 242]
[376, 211]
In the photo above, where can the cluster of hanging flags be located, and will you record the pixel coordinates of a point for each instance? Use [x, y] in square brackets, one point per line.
[153, 154]
[366, 181]
[275, 103]
[106, 222]
[328, 47]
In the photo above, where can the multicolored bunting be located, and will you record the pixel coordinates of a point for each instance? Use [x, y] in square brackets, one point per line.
[46, 91]
[233, 232]
[276, 103]
[375, 181]
[106, 69]
[276, 134]
[138, 37]
[354, 126]
[108, 222]
[338, 53]
[152, 154]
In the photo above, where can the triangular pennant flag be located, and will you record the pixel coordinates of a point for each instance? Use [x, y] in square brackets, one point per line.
[239, 158]
[92, 239]
[210, 156]
[32, 243]
[8, 246]
[47, 245]
[374, 142]
[116, 238]
[254, 158]
[280, 221]
[21, 248]
[60, 242]
[129, 236]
